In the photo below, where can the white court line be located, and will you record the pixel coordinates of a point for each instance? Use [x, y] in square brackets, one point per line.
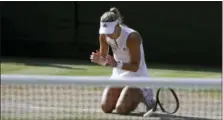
[23, 107]
[19, 108]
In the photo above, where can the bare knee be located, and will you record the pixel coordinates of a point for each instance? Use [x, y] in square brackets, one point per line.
[109, 99]
[106, 108]
[128, 101]
[122, 109]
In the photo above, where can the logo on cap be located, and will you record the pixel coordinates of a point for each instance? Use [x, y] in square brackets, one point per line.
[105, 25]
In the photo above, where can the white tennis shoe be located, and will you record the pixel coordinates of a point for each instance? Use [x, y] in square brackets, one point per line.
[149, 100]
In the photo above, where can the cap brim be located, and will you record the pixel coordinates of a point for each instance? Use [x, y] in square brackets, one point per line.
[108, 27]
[106, 30]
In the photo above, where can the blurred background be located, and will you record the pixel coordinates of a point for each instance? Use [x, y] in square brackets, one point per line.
[176, 33]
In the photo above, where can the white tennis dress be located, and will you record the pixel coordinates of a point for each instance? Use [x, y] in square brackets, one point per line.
[121, 53]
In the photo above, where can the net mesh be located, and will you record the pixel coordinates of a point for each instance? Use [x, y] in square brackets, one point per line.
[82, 102]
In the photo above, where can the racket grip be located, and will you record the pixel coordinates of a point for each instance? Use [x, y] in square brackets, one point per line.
[148, 113]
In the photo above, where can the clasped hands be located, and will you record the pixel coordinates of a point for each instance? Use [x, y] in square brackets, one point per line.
[104, 61]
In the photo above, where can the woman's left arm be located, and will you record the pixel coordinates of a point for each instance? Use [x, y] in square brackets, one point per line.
[133, 44]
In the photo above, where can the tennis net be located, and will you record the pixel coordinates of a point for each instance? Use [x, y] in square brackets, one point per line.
[32, 97]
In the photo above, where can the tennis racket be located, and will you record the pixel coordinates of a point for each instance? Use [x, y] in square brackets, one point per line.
[166, 100]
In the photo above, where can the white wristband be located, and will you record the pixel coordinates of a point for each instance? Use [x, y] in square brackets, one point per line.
[119, 64]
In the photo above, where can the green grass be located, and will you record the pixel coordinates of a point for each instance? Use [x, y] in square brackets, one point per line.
[86, 69]
[76, 70]
[95, 70]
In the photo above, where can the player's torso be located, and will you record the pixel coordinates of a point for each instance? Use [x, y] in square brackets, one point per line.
[121, 53]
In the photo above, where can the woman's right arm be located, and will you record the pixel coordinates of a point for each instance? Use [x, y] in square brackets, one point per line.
[104, 48]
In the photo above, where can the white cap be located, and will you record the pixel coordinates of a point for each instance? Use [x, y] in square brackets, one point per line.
[107, 27]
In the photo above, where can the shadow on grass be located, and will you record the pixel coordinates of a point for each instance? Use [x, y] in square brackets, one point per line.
[64, 64]
[61, 63]
[53, 65]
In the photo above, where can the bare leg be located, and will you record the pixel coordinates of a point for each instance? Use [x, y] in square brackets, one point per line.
[109, 99]
[129, 99]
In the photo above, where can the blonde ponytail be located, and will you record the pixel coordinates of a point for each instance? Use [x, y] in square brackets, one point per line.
[112, 15]
[116, 12]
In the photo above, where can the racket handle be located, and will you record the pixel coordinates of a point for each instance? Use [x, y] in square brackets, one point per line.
[148, 113]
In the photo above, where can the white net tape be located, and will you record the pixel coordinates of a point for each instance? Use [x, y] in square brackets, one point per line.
[78, 98]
